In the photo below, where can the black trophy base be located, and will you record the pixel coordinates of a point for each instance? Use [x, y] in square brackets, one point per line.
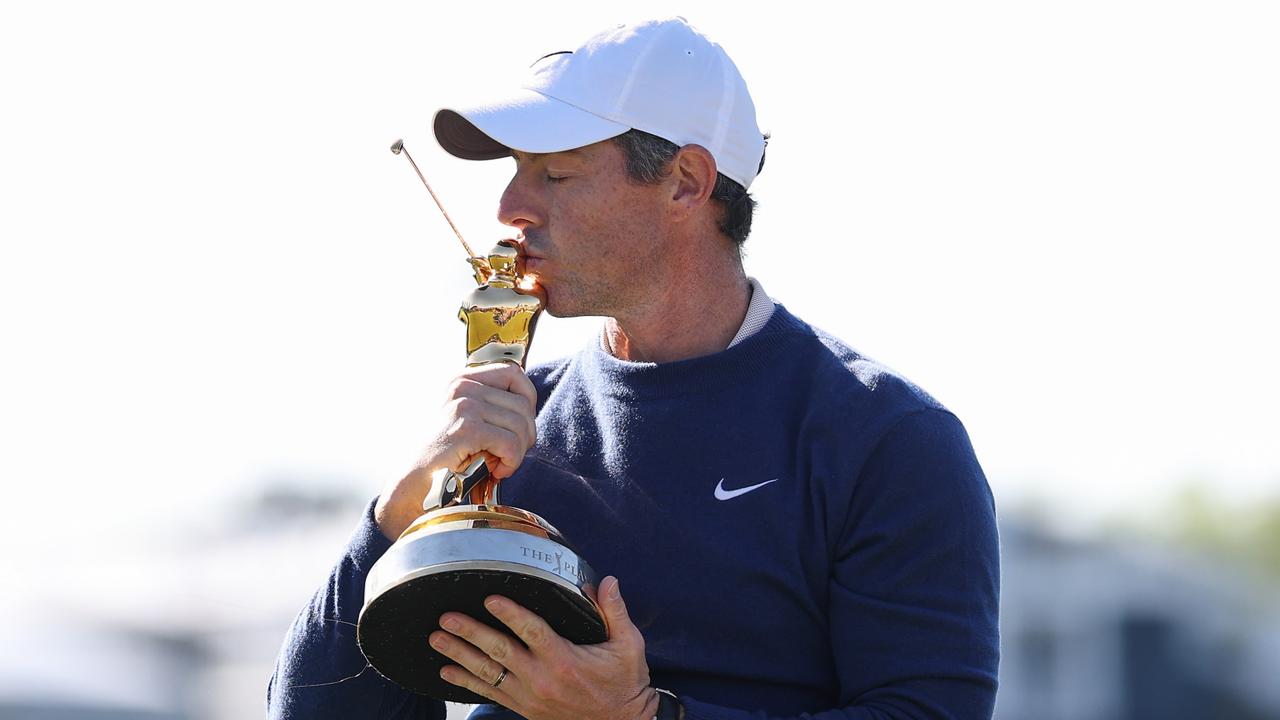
[394, 627]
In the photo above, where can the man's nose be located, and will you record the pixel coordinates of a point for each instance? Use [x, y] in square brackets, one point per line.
[519, 206]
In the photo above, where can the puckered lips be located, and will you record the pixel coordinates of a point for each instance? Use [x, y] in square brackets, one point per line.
[527, 269]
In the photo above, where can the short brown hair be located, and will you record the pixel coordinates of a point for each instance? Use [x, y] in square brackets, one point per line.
[649, 159]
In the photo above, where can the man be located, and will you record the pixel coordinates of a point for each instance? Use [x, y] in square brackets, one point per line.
[801, 532]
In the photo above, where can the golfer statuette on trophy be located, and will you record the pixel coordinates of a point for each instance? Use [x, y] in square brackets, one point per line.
[467, 545]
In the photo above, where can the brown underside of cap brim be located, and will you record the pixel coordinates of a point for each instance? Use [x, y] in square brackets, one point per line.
[462, 139]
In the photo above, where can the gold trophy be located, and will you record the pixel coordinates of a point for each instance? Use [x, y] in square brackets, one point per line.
[467, 545]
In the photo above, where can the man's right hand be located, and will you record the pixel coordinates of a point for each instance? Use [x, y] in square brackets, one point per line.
[489, 408]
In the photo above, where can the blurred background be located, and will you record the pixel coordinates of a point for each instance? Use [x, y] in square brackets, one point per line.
[228, 312]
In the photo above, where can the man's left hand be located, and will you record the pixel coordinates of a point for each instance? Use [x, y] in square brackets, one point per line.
[552, 678]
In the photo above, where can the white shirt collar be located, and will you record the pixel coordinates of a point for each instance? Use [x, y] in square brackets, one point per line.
[759, 310]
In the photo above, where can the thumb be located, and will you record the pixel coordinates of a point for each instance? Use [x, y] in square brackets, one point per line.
[615, 610]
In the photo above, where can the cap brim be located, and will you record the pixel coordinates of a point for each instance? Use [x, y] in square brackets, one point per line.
[527, 121]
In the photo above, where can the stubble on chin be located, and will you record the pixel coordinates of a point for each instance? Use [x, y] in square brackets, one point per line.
[575, 298]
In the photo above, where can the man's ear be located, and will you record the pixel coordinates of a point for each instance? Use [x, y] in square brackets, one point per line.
[693, 177]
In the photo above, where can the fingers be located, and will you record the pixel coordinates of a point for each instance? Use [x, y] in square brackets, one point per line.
[496, 407]
[477, 426]
[460, 677]
[532, 630]
[475, 671]
[489, 408]
[504, 376]
[475, 645]
[465, 387]
[547, 676]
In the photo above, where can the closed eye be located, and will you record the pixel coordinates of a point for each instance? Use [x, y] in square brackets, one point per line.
[557, 178]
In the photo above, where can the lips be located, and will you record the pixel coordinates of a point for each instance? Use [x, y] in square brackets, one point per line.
[527, 263]
[527, 269]
[530, 260]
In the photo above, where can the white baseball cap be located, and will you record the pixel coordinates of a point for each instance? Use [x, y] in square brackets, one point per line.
[660, 76]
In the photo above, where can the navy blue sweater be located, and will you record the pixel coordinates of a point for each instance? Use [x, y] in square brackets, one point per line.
[862, 582]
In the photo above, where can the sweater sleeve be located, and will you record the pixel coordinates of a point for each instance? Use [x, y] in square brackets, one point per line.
[320, 672]
[914, 588]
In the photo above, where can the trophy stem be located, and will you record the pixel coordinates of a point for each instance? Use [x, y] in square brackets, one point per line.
[484, 493]
[474, 485]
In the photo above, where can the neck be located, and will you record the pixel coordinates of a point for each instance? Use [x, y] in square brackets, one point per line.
[684, 320]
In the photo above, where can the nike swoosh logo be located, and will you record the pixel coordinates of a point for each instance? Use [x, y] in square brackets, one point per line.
[722, 494]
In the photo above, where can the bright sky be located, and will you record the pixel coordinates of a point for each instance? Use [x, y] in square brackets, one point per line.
[1059, 218]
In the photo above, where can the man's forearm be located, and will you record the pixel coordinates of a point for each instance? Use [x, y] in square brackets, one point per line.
[320, 672]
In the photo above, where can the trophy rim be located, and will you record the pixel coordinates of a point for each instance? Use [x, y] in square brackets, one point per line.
[484, 564]
[406, 559]
[509, 517]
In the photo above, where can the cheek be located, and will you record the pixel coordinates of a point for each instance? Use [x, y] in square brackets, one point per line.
[628, 211]
[577, 216]
[586, 216]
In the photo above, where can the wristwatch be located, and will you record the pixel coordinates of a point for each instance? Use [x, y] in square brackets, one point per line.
[669, 706]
